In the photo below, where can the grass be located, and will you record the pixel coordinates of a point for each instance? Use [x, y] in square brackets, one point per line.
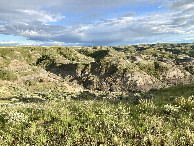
[162, 117]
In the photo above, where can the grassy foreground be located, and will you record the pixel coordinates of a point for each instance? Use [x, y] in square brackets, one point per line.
[162, 117]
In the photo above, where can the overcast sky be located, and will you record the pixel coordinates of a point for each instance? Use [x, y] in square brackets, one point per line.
[95, 22]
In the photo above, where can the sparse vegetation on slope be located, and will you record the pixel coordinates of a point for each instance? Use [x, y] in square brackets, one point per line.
[107, 68]
[97, 95]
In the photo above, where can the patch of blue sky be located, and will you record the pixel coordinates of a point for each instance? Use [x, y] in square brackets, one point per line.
[6, 38]
[93, 16]
[11, 39]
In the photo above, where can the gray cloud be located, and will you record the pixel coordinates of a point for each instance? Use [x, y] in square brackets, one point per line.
[29, 20]
[129, 14]
[75, 5]
[28, 16]
[149, 28]
[23, 4]
[181, 5]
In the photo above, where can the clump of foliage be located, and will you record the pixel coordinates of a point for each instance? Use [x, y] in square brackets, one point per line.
[152, 69]
[86, 51]
[68, 53]
[99, 54]
[106, 67]
[7, 75]
[191, 53]
[46, 61]
[190, 69]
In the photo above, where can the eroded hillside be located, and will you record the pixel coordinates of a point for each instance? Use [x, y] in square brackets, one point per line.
[135, 68]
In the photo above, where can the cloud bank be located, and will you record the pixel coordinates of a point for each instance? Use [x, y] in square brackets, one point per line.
[43, 22]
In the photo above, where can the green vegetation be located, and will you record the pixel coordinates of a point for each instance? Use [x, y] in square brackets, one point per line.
[68, 53]
[164, 119]
[86, 51]
[99, 54]
[191, 53]
[46, 61]
[153, 68]
[6, 51]
[7, 75]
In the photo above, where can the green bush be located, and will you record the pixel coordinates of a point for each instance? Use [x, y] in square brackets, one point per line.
[46, 61]
[86, 51]
[191, 53]
[152, 69]
[98, 55]
[68, 53]
[7, 75]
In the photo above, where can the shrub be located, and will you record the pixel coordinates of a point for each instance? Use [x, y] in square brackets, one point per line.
[46, 61]
[98, 55]
[170, 109]
[68, 53]
[191, 53]
[7, 75]
[185, 103]
[86, 51]
[152, 69]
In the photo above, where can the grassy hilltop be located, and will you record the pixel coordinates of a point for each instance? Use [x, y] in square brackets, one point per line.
[124, 95]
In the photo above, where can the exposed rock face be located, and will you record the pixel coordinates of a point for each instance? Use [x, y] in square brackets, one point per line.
[140, 81]
[133, 81]
[18, 65]
[174, 73]
[112, 79]
[176, 76]
[39, 74]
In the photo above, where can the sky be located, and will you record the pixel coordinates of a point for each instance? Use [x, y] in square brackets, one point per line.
[95, 22]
